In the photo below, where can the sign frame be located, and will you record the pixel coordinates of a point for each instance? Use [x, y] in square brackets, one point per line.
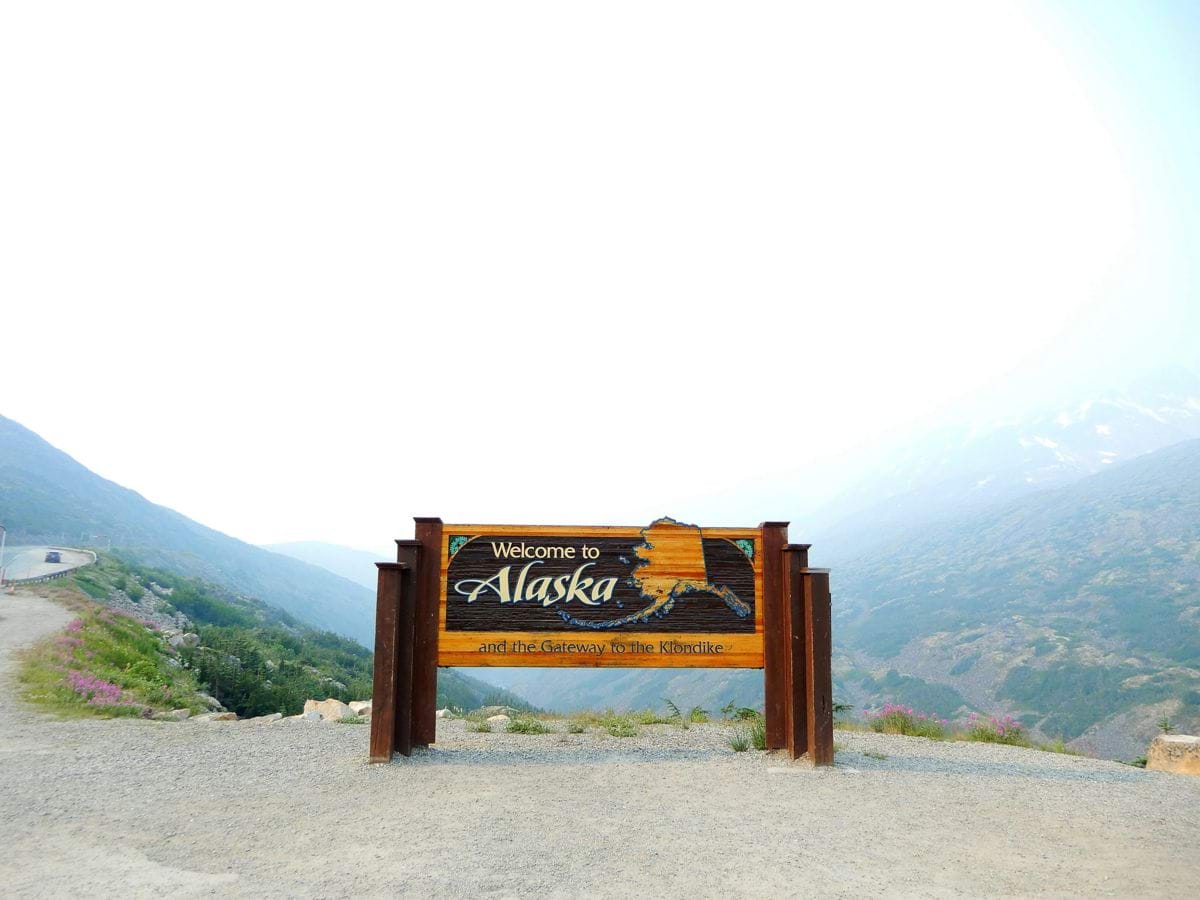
[791, 641]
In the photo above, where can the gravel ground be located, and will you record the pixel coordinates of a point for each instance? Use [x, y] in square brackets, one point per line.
[133, 808]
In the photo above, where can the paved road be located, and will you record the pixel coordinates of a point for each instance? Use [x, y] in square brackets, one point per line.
[30, 562]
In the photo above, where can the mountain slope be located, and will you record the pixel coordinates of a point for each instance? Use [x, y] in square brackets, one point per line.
[971, 466]
[353, 565]
[45, 495]
[1074, 607]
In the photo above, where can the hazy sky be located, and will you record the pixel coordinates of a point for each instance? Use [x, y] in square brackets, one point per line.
[302, 271]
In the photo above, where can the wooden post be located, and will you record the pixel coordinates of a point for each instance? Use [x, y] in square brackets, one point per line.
[425, 646]
[409, 554]
[818, 624]
[388, 600]
[795, 559]
[775, 631]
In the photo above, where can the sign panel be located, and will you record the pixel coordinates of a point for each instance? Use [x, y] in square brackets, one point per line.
[668, 594]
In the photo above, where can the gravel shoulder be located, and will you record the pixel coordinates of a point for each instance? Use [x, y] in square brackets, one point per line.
[135, 808]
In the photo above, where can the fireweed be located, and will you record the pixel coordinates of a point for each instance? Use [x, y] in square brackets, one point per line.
[108, 664]
[896, 719]
[992, 730]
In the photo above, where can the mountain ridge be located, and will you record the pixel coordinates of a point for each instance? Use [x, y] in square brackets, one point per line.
[45, 493]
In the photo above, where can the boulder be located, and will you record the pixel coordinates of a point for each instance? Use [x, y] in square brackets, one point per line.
[1178, 753]
[361, 707]
[216, 717]
[498, 720]
[330, 710]
[210, 702]
[184, 640]
[496, 710]
[175, 715]
[442, 713]
[269, 717]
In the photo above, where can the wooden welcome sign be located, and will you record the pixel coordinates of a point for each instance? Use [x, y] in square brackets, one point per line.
[664, 594]
[668, 594]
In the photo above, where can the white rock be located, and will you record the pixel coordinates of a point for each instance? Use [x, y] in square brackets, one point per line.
[361, 707]
[175, 715]
[216, 717]
[442, 713]
[498, 720]
[330, 710]
[1175, 753]
[270, 717]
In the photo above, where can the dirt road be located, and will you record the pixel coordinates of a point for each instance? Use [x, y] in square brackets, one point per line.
[133, 808]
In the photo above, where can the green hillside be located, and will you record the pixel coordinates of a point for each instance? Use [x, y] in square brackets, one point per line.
[46, 496]
[1077, 608]
[254, 658]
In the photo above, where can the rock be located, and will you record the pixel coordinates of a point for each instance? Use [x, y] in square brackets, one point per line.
[175, 715]
[184, 640]
[311, 716]
[361, 707]
[442, 713]
[330, 710]
[225, 716]
[496, 711]
[498, 720]
[270, 717]
[1178, 753]
[210, 702]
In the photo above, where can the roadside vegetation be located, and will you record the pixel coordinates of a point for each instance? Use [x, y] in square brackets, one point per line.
[892, 718]
[107, 664]
[253, 658]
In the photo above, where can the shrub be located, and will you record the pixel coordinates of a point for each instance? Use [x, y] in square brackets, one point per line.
[353, 720]
[676, 714]
[896, 719]
[990, 730]
[482, 726]
[697, 716]
[576, 727]
[527, 725]
[739, 741]
[620, 727]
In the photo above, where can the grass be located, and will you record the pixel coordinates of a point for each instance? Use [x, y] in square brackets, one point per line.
[739, 741]
[353, 720]
[574, 726]
[106, 664]
[758, 733]
[480, 726]
[650, 717]
[896, 719]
